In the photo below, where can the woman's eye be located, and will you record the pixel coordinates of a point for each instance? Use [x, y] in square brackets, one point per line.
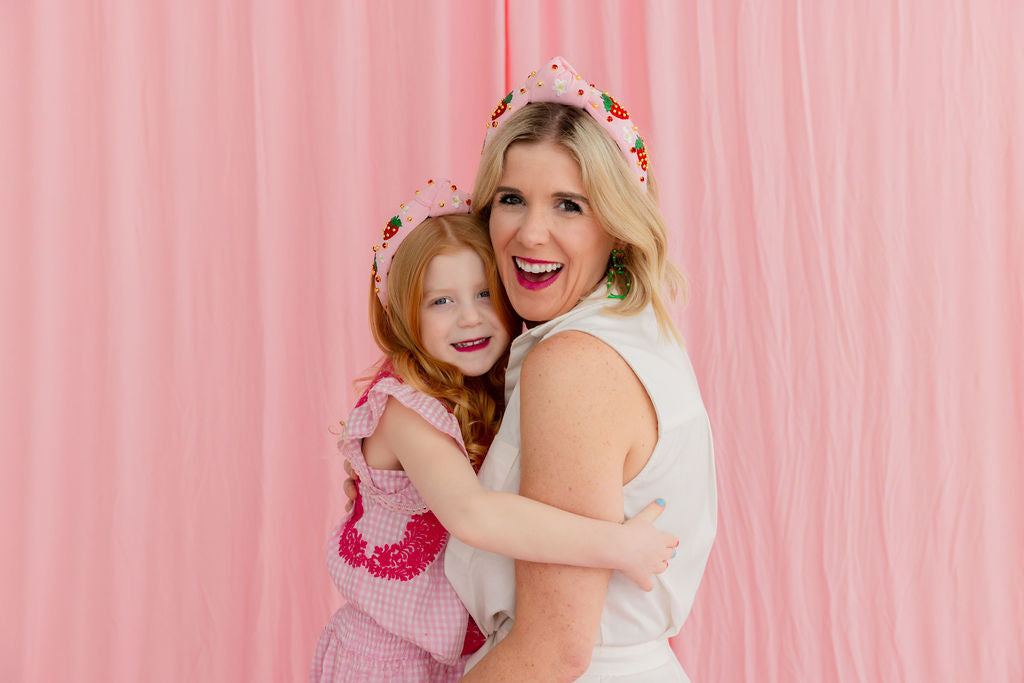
[510, 199]
[570, 206]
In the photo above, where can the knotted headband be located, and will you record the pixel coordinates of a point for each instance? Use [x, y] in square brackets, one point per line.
[440, 197]
[558, 82]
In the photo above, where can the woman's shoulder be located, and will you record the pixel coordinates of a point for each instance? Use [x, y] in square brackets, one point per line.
[571, 352]
[577, 368]
[637, 348]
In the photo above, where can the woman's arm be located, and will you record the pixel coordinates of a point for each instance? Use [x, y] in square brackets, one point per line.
[583, 413]
[512, 525]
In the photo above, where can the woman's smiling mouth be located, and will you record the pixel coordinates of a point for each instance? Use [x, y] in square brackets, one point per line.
[471, 344]
[533, 274]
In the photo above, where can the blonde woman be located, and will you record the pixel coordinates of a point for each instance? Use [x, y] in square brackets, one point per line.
[603, 410]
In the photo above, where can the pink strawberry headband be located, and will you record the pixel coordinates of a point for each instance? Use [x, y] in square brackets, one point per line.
[440, 197]
[558, 82]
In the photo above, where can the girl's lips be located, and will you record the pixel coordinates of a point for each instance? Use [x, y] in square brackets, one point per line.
[472, 345]
[535, 280]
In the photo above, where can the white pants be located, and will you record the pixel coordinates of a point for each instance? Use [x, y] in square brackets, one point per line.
[652, 662]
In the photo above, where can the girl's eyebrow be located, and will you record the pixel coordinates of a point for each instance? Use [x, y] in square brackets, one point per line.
[436, 292]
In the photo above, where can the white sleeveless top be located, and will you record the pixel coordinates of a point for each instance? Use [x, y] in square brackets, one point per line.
[681, 470]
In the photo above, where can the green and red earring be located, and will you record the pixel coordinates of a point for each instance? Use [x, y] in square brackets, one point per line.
[616, 267]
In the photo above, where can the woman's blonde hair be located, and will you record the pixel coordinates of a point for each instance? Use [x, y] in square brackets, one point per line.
[626, 211]
[477, 402]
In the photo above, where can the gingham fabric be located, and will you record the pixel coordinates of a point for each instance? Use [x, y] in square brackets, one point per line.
[386, 558]
[354, 649]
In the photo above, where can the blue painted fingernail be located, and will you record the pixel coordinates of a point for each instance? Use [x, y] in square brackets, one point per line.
[673, 553]
[660, 502]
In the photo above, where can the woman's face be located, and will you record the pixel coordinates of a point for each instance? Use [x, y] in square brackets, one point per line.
[551, 250]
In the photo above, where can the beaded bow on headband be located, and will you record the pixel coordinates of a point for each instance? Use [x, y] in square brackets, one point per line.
[558, 82]
[440, 197]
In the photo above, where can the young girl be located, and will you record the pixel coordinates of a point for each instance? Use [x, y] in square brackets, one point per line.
[415, 439]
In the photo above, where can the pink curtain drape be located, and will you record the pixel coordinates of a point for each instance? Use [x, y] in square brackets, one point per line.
[187, 195]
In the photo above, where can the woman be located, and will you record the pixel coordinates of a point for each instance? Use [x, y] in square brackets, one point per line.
[603, 410]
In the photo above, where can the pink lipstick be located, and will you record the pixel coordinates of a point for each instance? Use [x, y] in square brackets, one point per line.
[472, 344]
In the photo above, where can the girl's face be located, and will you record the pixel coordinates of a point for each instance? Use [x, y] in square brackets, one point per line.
[551, 250]
[458, 322]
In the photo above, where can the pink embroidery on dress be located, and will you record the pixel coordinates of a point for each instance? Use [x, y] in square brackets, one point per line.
[424, 539]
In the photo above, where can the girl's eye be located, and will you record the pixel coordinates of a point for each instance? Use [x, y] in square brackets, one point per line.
[569, 206]
[510, 199]
[486, 294]
[442, 301]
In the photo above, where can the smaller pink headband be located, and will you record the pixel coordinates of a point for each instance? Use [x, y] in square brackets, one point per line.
[440, 197]
[558, 82]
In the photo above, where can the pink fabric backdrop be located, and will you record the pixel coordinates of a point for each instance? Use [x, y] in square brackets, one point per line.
[187, 192]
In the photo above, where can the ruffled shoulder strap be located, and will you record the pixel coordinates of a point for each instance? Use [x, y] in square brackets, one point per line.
[363, 421]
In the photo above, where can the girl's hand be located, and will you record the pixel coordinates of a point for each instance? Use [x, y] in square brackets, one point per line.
[351, 487]
[648, 550]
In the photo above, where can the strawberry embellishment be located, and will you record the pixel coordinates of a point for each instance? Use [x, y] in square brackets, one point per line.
[641, 153]
[392, 226]
[502, 106]
[613, 107]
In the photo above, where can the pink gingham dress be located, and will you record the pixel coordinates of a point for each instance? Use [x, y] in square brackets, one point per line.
[402, 620]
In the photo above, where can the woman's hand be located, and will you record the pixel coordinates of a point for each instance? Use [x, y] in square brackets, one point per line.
[649, 549]
[351, 488]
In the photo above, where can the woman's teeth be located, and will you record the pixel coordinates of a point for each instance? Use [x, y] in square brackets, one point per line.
[537, 268]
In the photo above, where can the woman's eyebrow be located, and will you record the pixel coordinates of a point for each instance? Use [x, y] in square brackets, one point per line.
[556, 195]
[570, 195]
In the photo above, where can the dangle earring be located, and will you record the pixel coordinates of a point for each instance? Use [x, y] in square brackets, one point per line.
[614, 268]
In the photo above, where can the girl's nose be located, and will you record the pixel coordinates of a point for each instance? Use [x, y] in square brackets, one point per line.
[469, 315]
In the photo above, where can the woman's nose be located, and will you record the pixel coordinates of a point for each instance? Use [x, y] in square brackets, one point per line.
[533, 232]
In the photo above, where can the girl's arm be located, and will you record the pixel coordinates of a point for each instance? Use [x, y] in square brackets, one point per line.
[512, 525]
[558, 609]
